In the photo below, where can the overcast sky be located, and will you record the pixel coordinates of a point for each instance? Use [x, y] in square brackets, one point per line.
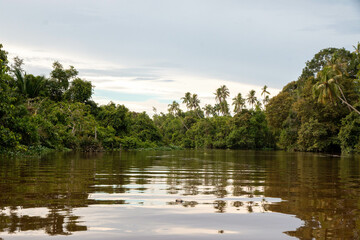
[145, 53]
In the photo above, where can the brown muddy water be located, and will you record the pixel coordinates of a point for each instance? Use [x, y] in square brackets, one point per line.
[180, 195]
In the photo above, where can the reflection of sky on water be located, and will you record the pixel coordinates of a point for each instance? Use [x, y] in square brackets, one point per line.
[131, 222]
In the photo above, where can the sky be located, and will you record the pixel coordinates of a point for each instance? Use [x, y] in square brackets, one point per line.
[147, 53]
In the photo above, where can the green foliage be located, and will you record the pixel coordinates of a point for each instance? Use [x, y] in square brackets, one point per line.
[3, 59]
[320, 60]
[311, 114]
[289, 132]
[29, 86]
[79, 91]
[61, 75]
[277, 110]
[220, 95]
[117, 116]
[143, 128]
[172, 129]
[349, 134]
[107, 136]
[246, 130]
[313, 136]
[63, 124]
[59, 81]
[9, 139]
[239, 103]
[89, 144]
[130, 142]
[318, 112]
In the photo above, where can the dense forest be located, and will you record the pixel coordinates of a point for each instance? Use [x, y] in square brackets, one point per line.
[317, 112]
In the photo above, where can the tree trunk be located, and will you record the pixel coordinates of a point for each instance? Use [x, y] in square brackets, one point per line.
[183, 123]
[342, 94]
[350, 106]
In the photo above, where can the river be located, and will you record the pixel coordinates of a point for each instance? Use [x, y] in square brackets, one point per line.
[208, 194]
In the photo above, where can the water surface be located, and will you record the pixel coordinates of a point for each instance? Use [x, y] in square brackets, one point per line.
[180, 195]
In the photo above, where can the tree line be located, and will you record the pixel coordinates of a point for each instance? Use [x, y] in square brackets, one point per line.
[317, 112]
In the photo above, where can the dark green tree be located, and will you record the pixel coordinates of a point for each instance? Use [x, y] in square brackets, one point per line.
[60, 80]
[79, 91]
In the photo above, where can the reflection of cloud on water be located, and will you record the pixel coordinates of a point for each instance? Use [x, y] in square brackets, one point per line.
[102, 229]
[40, 212]
[177, 222]
[190, 230]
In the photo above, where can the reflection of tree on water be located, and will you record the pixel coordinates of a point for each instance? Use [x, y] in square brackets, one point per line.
[54, 223]
[61, 182]
[55, 183]
[323, 192]
[219, 175]
[184, 203]
[221, 205]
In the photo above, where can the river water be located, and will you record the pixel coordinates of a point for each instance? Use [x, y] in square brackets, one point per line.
[210, 194]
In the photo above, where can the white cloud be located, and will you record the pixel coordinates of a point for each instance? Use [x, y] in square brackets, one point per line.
[43, 58]
[135, 106]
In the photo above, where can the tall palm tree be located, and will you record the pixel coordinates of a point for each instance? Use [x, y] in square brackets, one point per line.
[154, 110]
[224, 108]
[187, 100]
[195, 104]
[224, 92]
[208, 109]
[337, 65]
[221, 93]
[266, 100]
[327, 89]
[216, 109]
[174, 108]
[251, 98]
[258, 104]
[220, 96]
[239, 103]
[264, 91]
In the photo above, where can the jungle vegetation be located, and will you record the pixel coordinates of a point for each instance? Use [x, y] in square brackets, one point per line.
[317, 112]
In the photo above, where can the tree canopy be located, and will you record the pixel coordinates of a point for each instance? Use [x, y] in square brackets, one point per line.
[317, 112]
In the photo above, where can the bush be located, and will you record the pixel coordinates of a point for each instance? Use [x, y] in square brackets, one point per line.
[349, 134]
[89, 144]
